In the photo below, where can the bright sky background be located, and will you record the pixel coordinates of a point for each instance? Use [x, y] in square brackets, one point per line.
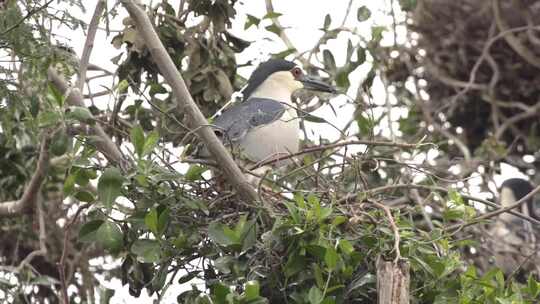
[302, 19]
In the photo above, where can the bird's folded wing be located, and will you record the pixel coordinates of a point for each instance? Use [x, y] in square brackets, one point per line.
[239, 119]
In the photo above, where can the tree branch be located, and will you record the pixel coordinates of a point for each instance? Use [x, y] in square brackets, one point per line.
[185, 102]
[42, 251]
[31, 193]
[488, 215]
[516, 45]
[105, 144]
[89, 43]
[381, 189]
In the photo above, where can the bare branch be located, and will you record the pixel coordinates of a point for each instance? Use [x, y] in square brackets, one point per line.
[89, 43]
[394, 227]
[382, 189]
[489, 215]
[42, 251]
[31, 193]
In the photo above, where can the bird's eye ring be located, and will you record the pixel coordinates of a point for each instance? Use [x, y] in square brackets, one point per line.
[297, 72]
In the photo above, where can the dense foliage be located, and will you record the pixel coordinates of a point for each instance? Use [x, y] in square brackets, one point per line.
[394, 184]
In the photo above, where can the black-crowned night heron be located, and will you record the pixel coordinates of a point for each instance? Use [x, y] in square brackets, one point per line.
[265, 125]
[514, 239]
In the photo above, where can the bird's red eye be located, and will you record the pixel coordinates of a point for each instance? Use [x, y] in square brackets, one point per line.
[297, 72]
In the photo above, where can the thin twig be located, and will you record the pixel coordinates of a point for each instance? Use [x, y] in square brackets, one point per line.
[28, 15]
[394, 229]
[382, 189]
[489, 215]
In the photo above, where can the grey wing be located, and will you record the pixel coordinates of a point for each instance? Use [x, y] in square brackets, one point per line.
[236, 121]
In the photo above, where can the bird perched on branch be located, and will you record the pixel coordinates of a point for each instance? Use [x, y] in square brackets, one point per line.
[265, 125]
[514, 238]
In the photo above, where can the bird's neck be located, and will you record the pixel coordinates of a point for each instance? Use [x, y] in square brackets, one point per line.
[273, 90]
[507, 197]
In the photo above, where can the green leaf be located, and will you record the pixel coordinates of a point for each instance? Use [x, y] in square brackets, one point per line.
[252, 290]
[249, 234]
[34, 106]
[315, 295]
[188, 277]
[407, 5]
[283, 54]
[88, 231]
[329, 61]
[54, 95]
[163, 219]
[109, 186]
[195, 172]
[327, 21]
[146, 250]
[376, 33]
[338, 220]
[47, 119]
[331, 258]
[220, 291]
[151, 221]
[84, 196]
[318, 274]
[295, 264]
[293, 212]
[59, 142]
[137, 139]
[533, 287]
[363, 13]
[251, 20]
[151, 141]
[365, 124]
[272, 15]
[345, 246]
[156, 88]
[81, 114]
[220, 234]
[274, 29]
[110, 236]
[312, 118]
[122, 86]
[361, 56]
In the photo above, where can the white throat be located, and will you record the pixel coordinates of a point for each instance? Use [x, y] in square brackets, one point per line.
[279, 86]
[507, 197]
[273, 90]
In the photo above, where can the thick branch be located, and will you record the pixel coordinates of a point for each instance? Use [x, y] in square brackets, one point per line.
[89, 43]
[31, 193]
[185, 102]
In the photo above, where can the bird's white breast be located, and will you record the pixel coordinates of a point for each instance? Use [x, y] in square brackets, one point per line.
[276, 139]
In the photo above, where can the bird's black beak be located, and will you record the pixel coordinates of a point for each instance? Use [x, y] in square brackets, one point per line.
[311, 83]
